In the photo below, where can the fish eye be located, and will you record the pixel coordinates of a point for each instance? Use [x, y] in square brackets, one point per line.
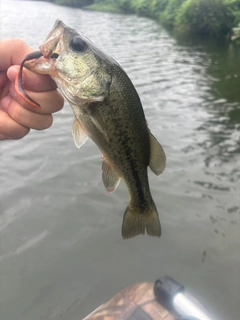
[77, 44]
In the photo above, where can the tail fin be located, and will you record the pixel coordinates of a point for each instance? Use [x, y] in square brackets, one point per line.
[137, 220]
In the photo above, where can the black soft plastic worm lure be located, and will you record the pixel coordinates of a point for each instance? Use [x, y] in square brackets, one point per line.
[18, 81]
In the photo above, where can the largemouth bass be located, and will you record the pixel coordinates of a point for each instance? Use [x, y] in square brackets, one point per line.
[107, 109]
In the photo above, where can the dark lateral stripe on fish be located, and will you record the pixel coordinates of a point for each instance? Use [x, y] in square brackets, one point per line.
[127, 151]
[18, 82]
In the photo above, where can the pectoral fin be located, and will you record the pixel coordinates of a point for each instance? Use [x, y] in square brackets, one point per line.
[79, 135]
[110, 178]
[157, 156]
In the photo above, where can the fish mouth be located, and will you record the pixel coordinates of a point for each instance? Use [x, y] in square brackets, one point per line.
[51, 47]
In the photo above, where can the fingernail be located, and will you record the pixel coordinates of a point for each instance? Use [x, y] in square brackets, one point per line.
[12, 72]
[5, 102]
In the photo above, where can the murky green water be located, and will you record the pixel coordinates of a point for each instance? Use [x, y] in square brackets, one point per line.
[61, 253]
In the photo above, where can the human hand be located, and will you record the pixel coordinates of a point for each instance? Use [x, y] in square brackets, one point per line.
[17, 117]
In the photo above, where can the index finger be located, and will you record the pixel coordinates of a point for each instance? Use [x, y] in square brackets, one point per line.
[12, 52]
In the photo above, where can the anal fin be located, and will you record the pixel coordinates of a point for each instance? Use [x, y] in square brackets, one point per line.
[110, 178]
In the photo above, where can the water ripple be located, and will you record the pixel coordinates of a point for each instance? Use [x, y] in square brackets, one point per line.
[52, 193]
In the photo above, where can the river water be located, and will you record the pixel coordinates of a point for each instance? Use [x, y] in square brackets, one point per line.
[61, 252]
